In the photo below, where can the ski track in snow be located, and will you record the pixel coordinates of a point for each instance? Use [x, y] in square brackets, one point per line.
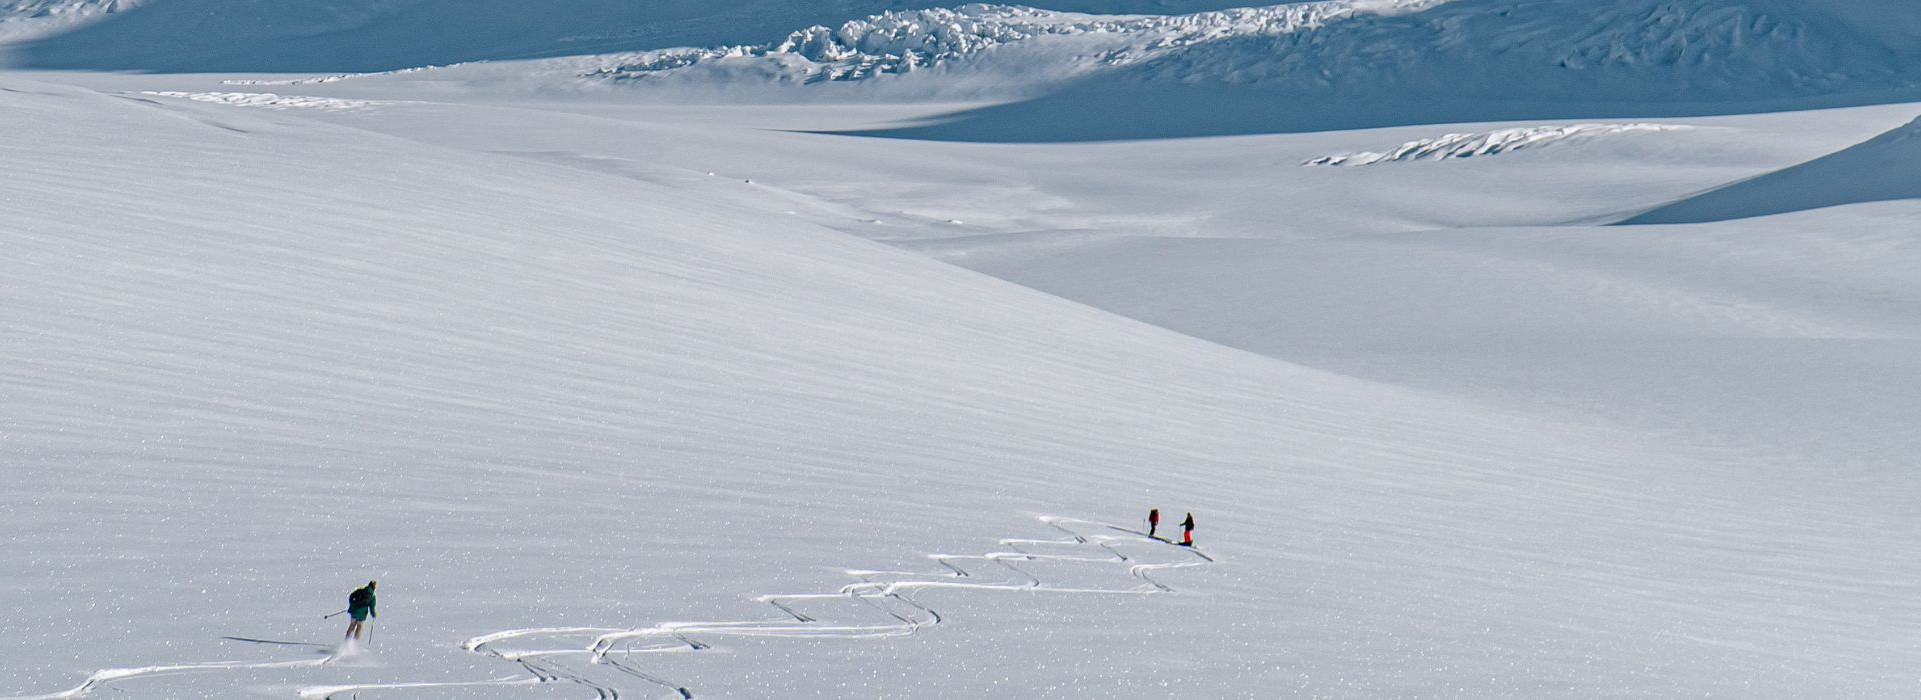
[102, 678]
[883, 598]
[1488, 143]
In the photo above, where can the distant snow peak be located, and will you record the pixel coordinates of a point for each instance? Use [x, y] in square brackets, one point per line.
[42, 9]
[1487, 143]
[266, 100]
[29, 19]
[902, 41]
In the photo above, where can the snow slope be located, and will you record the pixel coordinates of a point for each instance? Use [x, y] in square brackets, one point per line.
[619, 395]
[262, 356]
[1885, 168]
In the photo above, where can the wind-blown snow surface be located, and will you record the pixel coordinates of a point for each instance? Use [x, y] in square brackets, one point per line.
[283, 354]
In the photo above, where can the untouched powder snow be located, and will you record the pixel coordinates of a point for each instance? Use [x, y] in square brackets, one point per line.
[1487, 143]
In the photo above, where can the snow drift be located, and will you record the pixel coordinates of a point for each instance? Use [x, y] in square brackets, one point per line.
[1885, 168]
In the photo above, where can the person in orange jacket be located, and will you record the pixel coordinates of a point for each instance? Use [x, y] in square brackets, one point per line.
[1153, 521]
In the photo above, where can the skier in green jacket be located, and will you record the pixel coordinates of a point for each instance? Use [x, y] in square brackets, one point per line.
[360, 606]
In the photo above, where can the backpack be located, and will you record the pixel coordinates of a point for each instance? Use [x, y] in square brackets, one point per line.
[360, 598]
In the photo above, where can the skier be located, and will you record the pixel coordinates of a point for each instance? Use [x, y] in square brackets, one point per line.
[360, 606]
[1187, 531]
[1153, 521]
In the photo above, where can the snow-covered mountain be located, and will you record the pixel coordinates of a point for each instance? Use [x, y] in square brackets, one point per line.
[373, 35]
[1708, 50]
[1079, 74]
[901, 42]
[28, 19]
[1366, 57]
[1481, 60]
[28, 10]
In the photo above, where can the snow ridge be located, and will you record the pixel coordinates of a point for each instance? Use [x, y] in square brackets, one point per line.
[1488, 143]
[265, 100]
[1880, 169]
[323, 79]
[903, 41]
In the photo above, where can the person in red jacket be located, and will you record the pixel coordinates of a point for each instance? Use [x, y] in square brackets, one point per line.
[1187, 531]
[1153, 521]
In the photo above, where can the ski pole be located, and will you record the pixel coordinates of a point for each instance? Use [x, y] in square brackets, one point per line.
[325, 617]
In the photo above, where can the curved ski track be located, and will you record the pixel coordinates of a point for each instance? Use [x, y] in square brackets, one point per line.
[879, 604]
